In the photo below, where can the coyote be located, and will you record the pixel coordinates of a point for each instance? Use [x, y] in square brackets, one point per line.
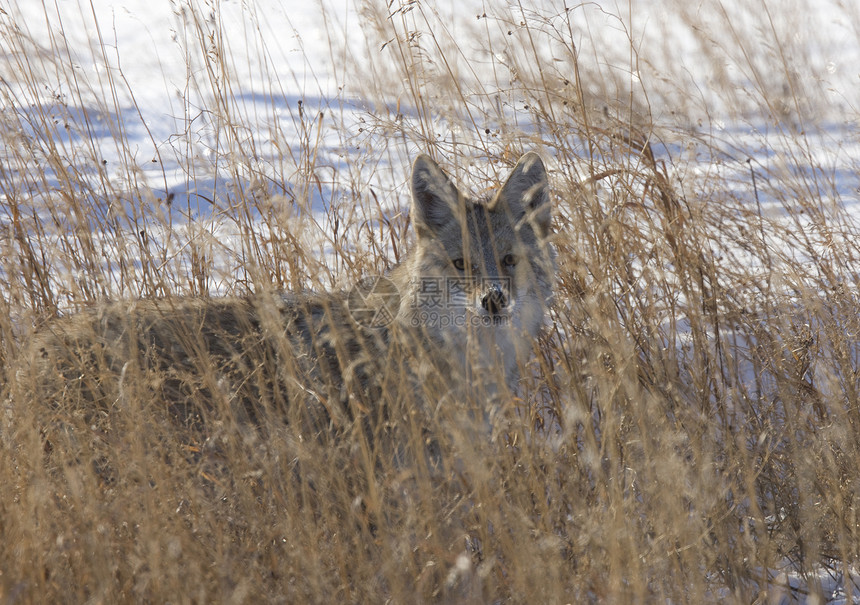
[460, 313]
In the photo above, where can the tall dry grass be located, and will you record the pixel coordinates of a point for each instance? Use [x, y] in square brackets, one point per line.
[689, 422]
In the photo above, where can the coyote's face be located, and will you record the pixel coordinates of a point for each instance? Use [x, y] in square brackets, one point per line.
[482, 271]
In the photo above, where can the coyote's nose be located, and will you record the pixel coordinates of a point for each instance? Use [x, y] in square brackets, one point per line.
[494, 300]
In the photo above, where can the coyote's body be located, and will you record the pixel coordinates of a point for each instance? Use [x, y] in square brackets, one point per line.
[461, 311]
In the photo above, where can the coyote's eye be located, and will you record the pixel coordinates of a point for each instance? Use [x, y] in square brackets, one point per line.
[509, 260]
[459, 264]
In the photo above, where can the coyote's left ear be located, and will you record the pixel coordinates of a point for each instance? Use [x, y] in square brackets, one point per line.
[436, 203]
[526, 193]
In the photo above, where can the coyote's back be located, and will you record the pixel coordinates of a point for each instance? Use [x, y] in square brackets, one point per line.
[459, 315]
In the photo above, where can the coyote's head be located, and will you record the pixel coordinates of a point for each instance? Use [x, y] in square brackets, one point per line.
[482, 271]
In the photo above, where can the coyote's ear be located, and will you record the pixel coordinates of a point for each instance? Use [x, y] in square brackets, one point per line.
[435, 200]
[526, 193]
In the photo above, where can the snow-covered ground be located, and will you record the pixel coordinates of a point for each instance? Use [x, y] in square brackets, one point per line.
[139, 103]
[140, 65]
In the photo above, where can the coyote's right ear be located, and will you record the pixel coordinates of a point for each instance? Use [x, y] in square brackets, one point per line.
[526, 193]
[435, 200]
